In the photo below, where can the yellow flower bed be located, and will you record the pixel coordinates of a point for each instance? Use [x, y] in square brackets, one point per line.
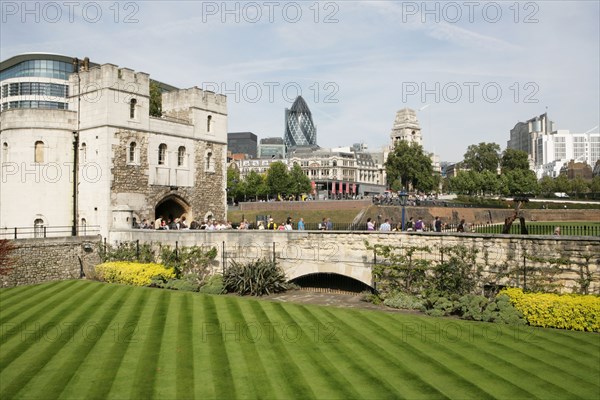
[568, 311]
[132, 273]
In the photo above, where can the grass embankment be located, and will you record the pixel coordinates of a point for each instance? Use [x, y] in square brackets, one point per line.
[82, 339]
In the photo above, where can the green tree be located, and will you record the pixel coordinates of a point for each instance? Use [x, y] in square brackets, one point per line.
[482, 157]
[407, 166]
[546, 185]
[254, 185]
[155, 99]
[299, 182]
[466, 182]
[562, 184]
[520, 181]
[233, 182]
[278, 182]
[514, 159]
[595, 185]
[490, 184]
[579, 186]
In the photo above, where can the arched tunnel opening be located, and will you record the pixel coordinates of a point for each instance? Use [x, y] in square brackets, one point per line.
[330, 282]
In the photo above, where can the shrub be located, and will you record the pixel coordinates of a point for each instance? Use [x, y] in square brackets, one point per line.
[256, 278]
[132, 273]
[127, 251]
[214, 285]
[568, 311]
[188, 283]
[404, 301]
[458, 274]
[189, 260]
[371, 298]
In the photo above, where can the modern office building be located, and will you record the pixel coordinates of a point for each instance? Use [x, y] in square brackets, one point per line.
[78, 143]
[550, 149]
[300, 130]
[242, 143]
[272, 147]
[524, 137]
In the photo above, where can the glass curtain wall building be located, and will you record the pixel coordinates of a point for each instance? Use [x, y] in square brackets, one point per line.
[35, 80]
[299, 127]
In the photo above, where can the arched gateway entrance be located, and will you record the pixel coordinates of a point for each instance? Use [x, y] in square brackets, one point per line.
[172, 207]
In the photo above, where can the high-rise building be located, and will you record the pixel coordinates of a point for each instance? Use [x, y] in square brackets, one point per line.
[242, 143]
[525, 134]
[300, 130]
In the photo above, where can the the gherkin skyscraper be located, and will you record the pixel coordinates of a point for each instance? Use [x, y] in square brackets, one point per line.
[299, 127]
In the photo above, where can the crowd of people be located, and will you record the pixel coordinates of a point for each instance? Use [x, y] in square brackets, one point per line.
[412, 225]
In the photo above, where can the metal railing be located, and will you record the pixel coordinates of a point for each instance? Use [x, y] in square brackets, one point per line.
[534, 229]
[44, 231]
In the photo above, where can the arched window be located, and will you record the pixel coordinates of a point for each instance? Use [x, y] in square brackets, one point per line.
[39, 152]
[83, 153]
[181, 156]
[133, 156]
[208, 122]
[162, 154]
[38, 228]
[209, 162]
[132, 104]
[4, 152]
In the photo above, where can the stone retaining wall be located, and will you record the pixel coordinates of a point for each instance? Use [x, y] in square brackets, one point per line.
[505, 259]
[51, 259]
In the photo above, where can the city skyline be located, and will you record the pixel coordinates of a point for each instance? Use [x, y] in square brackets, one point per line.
[355, 63]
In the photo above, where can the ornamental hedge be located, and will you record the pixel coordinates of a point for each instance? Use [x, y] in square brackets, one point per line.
[132, 273]
[568, 311]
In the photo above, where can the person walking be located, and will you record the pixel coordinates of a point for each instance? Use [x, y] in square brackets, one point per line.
[301, 224]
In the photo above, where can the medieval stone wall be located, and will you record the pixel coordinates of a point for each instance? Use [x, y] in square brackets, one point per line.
[51, 259]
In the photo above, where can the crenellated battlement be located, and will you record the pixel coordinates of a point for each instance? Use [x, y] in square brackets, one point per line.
[194, 97]
[110, 76]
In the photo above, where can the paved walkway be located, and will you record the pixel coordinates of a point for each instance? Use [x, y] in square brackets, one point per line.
[331, 299]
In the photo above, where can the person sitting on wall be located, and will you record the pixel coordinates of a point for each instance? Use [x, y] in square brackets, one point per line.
[557, 231]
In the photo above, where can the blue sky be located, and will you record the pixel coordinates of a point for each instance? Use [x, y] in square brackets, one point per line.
[473, 69]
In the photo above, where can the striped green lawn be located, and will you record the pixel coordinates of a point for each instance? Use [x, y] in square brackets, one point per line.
[88, 340]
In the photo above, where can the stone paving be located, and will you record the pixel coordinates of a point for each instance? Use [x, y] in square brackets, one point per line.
[342, 300]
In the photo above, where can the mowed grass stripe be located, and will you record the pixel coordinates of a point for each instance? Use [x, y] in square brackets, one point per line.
[37, 357]
[550, 350]
[415, 385]
[293, 376]
[275, 368]
[565, 347]
[370, 384]
[126, 376]
[258, 380]
[222, 379]
[142, 386]
[333, 384]
[454, 351]
[477, 349]
[37, 302]
[203, 372]
[184, 378]
[109, 361]
[547, 368]
[465, 369]
[165, 387]
[33, 331]
[14, 296]
[57, 374]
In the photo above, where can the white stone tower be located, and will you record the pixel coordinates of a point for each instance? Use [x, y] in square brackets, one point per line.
[406, 127]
